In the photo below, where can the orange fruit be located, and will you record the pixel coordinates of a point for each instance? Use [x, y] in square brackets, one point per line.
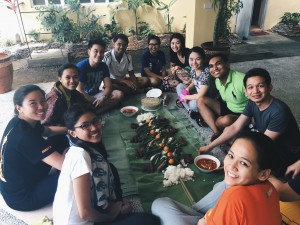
[166, 148]
[157, 136]
[152, 132]
[171, 161]
[161, 144]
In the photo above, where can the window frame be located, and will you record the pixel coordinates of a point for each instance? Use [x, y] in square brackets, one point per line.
[62, 3]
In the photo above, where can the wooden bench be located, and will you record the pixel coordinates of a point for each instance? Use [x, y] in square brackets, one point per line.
[290, 212]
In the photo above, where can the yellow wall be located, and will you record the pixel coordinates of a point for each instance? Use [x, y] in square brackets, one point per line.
[156, 18]
[276, 9]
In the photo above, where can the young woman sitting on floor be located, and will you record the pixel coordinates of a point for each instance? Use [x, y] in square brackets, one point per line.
[59, 99]
[249, 199]
[26, 157]
[203, 84]
[89, 189]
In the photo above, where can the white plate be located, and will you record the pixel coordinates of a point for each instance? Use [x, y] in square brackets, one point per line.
[149, 110]
[154, 93]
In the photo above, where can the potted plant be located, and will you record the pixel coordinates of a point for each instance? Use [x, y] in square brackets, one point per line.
[6, 73]
[225, 10]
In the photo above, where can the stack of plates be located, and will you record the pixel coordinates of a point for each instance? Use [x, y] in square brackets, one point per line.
[151, 104]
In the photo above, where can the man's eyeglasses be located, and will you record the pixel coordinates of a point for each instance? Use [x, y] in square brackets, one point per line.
[87, 125]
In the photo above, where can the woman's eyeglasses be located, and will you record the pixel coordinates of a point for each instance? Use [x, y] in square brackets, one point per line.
[87, 125]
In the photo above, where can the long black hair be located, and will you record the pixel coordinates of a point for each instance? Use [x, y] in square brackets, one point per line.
[183, 49]
[71, 117]
[267, 152]
[21, 93]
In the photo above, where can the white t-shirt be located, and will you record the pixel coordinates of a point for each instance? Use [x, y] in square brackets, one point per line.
[118, 70]
[77, 163]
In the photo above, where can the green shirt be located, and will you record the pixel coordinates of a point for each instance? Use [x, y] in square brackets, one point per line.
[233, 91]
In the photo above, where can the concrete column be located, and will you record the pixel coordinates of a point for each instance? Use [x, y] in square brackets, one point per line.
[200, 22]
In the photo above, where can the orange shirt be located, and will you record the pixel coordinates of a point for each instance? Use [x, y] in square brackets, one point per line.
[246, 205]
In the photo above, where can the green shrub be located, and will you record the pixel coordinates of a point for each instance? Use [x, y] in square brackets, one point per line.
[9, 43]
[58, 20]
[290, 18]
[34, 35]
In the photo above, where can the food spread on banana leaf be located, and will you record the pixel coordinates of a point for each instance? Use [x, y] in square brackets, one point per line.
[158, 144]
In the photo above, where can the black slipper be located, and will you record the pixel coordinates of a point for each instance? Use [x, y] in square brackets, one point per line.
[201, 122]
[193, 115]
[179, 104]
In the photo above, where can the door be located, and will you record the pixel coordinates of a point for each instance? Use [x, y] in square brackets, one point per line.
[243, 19]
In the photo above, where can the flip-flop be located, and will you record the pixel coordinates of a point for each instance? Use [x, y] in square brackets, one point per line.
[179, 104]
[201, 122]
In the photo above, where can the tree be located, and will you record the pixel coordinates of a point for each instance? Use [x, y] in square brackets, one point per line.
[225, 10]
[167, 17]
[133, 5]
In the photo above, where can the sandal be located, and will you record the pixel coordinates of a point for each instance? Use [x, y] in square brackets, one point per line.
[193, 115]
[215, 136]
[201, 122]
[179, 104]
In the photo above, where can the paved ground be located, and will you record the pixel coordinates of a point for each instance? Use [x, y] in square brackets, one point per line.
[255, 48]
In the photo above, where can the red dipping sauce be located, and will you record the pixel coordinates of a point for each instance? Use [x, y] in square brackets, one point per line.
[207, 164]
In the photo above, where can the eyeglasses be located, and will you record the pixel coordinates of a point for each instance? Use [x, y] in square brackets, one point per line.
[87, 125]
[156, 44]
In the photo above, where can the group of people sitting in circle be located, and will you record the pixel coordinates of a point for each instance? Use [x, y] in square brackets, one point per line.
[61, 131]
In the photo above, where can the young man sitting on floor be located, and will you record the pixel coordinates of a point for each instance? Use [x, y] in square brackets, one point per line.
[92, 72]
[270, 115]
[154, 62]
[119, 63]
[222, 112]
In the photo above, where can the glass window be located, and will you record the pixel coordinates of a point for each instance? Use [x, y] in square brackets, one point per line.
[55, 2]
[62, 2]
[39, 2]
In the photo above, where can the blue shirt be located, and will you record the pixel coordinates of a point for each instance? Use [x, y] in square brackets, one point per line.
[154, 62]
[92, 77]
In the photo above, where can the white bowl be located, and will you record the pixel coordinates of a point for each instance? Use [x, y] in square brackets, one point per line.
[209, 157]
[154, 93]
[129, 111]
